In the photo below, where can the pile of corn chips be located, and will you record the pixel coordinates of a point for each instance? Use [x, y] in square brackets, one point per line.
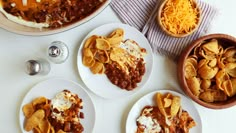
[170, 107]
[96, 50]
[36, 113]
[40, 114]
[210, 71]
[168, 104]
[168, 116]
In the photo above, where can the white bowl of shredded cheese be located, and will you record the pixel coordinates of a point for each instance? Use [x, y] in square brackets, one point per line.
[179, 18]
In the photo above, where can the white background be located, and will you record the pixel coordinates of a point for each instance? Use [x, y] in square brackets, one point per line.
[111, 114]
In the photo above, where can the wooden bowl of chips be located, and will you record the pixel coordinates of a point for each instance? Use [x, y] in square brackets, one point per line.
[179, 18]
[207, 71]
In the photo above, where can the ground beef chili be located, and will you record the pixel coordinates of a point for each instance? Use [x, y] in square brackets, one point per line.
[74, 127]
[55, 12]
[180, 123]
[70, 118]
[121, 78]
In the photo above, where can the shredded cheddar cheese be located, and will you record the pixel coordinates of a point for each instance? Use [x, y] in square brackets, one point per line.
[179, 16]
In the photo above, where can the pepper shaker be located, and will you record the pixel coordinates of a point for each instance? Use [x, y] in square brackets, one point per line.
[37, 67]
[58, 52]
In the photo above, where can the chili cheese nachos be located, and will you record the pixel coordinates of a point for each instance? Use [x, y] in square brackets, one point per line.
[48, 13]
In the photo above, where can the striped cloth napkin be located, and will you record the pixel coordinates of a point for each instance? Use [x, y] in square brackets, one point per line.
[141, 14]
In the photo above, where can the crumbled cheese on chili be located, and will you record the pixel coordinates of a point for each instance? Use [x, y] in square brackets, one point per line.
[179, 16]
[24, 2]
[149, 124]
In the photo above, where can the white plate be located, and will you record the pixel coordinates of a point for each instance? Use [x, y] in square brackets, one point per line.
[148, 99]
[50, 88]
[100, 84]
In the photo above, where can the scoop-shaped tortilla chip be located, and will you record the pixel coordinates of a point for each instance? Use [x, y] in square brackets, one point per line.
[207, 72]
[116, 33]
[91, 41]
[190, 70]
[116, 37]
[212, 63]
[193, 61]
[211, 46]
[160, 104]
[34, 120]
[205, 84]
[221, 76]
[213, 96]
[233, 81]
[167, 102]
[52, 130]
[206, 96]
[60, 131]
[87, 52]
[194, 85]
[228, 87]
[118, 55]
[102, 44]
[88, 61]
[37, 130]
[44, 126]
[102, 56]
[40, 100]
[28, 110]
[219, 95]
[231, 59]
[231, 72]
[175, 106]
[102, 70]
[229, 52]
[97, 67]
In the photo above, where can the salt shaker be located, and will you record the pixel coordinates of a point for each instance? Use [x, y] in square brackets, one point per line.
[58, 52]
[37, 67]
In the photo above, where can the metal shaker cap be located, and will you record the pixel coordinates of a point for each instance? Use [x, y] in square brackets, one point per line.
[58, 52]
[33, 67]
[54, 51]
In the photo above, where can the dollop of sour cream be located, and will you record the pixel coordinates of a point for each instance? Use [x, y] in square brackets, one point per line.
[133, 48]
[150, 125]
[61, 102]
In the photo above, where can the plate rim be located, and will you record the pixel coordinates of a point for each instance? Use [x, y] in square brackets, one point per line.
[117, 24]
[48, 80]
[162, 91]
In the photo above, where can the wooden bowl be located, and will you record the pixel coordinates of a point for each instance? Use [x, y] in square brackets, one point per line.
[170, 33]
[181, 72]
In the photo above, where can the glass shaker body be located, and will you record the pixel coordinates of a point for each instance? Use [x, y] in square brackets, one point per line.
[37, 67]
[58, 52]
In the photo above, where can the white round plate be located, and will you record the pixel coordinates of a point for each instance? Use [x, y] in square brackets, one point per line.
[99, 83]
[50, 88]
[148, 99]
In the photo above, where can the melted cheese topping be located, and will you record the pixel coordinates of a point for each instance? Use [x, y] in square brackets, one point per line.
[28, 4]
[179, 16]
[127, 54]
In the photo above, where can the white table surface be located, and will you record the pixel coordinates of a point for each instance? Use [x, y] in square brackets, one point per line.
[111, 114]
